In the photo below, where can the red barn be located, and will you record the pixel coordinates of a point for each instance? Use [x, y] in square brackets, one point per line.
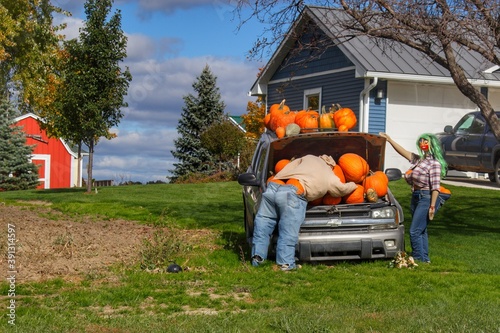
[59, 165]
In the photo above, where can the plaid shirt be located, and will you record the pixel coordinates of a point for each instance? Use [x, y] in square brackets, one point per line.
[426, 173]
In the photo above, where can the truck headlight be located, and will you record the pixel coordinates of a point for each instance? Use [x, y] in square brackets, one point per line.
[383, 213]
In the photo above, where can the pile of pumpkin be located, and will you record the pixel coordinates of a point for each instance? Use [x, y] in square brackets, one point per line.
[285, 122]
[370, 186]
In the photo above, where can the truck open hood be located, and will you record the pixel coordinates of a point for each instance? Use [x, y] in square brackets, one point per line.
[369, 146]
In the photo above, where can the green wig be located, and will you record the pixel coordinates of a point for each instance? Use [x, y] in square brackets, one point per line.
[435, 150]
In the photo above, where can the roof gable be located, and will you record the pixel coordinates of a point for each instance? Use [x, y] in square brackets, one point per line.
[68, 148]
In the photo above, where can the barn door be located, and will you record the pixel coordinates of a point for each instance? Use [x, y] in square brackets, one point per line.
[43, 162]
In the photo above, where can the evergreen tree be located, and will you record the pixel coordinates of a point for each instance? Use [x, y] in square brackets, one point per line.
[198, 114]
[16, 170]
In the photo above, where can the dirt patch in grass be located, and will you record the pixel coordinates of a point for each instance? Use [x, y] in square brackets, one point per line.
[49, 244]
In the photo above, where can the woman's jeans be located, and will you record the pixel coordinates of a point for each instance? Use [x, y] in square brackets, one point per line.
[280, 205]
[420, 204]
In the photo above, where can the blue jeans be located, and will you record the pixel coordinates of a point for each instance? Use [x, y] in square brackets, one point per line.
[420, 203]
[280, 205]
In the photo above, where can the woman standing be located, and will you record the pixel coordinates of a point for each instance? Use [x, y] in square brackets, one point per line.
[425, 173]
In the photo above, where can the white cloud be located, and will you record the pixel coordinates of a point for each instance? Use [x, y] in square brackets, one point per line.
[146, 134]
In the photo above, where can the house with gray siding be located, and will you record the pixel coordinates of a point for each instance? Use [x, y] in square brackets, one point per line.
[390, 87]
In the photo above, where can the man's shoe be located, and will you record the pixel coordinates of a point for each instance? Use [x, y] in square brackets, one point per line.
[288, 267]
[257, 260]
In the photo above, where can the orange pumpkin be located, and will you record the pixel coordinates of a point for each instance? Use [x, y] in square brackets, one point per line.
[280, 132]
[337, 170]
[444, 190]
[307, 120]
[316, 202]
[355, 167]
[282, 119]
[343, 128]
[267, 121]
[344, 116]
[377, 181]
[277, 111]
[297, 184]
[280, 165]
[328, 199]
[281, 107]
[356, 196]
[277, 181]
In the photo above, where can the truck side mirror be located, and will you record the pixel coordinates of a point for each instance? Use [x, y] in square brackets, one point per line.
[448, 129]
[393, 174]
[248, 179]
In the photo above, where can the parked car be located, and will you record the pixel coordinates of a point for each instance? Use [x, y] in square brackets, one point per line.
[330, 232]
[471, 146]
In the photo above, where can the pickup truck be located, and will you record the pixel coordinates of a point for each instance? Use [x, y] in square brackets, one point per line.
[471, 146]
[330, 232]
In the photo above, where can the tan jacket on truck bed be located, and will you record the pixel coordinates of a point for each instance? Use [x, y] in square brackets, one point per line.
[316, 176]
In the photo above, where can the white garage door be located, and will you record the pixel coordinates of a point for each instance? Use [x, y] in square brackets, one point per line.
[413, 109]
[494, 98]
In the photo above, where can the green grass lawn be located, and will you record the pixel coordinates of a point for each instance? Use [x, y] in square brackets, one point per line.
[221, 292]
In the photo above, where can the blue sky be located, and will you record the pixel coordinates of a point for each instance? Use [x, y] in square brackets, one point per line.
[169, 44]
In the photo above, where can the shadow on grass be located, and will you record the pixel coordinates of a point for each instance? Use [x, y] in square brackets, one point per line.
[237, 243]
[61, 190]
[464, 216]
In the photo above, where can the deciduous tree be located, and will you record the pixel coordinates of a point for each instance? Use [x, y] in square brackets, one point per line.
[30, 51]
[225, 141]
[94, 84]
[254, 119]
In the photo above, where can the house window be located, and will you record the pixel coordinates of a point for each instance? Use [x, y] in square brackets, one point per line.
[312, 99]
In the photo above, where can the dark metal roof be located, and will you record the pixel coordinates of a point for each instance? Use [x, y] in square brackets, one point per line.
[375, 57]
[378, 56]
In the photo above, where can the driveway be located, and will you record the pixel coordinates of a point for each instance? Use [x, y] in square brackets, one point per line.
[471, 182]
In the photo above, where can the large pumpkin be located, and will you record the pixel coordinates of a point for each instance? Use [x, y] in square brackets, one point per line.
[377, 181]
[307, 120]
[337, 170]
[328, 199]
[355, 167]
[280, 114]
[297, 184]
[346, 117]
[281, 107]
[281, 119]
[277, 181]
[356, 196]
[316, 202]
[280, 165]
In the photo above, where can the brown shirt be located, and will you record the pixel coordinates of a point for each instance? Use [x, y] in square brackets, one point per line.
[315, 174]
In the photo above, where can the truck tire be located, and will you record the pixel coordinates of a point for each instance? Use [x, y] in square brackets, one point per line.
[495, 176]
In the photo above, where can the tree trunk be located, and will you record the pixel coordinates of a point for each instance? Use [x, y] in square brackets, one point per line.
[79, 171]
[90, 165]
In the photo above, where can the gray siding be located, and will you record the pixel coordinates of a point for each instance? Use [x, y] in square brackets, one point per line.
[377, 116]
[326, 56]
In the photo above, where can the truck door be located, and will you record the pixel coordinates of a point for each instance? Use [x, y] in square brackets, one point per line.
[469, 136]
